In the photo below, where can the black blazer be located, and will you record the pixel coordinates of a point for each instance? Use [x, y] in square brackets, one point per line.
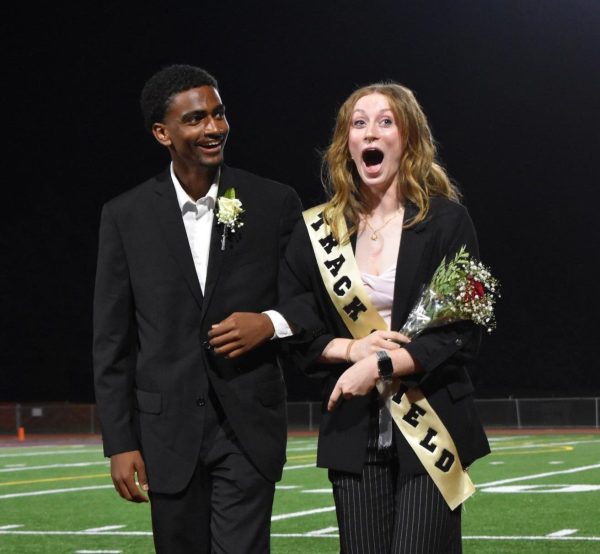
[441, 352]
[152, 372]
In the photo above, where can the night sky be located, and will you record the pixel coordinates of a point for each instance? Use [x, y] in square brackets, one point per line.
[511, 89]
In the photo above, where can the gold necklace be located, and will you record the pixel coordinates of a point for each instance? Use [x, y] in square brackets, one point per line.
[375, 236]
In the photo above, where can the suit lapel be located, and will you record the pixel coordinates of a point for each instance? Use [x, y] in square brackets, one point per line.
[216, 255]
[169, 217]
[409, 260]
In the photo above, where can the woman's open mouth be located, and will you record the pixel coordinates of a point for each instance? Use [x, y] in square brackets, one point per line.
[372, 159]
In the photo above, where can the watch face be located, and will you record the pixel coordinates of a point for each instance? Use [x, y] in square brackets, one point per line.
[384, 365]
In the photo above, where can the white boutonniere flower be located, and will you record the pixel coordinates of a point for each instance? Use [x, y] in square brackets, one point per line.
[229, 214]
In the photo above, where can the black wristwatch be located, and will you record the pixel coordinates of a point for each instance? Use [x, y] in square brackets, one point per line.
[384, 365]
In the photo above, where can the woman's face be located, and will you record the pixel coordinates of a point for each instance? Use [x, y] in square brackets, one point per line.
[374, 140]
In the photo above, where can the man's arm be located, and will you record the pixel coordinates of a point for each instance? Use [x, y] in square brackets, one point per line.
[242, 332]
[114, 354]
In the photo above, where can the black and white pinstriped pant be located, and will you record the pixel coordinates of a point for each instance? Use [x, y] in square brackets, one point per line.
[384, 512]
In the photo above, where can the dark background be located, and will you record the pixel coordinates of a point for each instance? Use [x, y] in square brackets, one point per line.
[511, 90]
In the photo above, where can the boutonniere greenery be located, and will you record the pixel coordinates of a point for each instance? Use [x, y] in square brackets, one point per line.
[229, 214]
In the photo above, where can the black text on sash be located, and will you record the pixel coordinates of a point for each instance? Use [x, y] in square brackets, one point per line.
[352, 306]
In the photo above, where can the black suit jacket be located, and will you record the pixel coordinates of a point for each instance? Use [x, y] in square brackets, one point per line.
[442, 352]
[152, 372]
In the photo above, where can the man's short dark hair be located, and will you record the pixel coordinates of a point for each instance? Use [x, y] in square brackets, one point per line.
[159, 90]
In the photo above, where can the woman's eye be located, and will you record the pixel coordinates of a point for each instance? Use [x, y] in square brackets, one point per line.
[387, 122]
[358, 123]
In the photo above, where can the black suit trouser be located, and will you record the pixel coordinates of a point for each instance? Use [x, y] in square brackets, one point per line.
[226, 507]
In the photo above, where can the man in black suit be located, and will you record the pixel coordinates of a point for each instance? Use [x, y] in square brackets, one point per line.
[205, 434]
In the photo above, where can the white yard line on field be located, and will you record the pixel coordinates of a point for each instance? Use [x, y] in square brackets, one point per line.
[479, 485]
[528, 538]
[544, 444]
[303, 466]
[50, 453]
[105, 528]
[311, 535]
[54, 491]
[54, 466]
[303, 513]
[538, 476]
[326, 531]
[323, 533]
[540, 489]
[98, 551]
[308, 535]
[563, 533]
[81, 533]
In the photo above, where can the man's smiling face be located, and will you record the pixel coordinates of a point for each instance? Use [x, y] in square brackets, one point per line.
[195, 127]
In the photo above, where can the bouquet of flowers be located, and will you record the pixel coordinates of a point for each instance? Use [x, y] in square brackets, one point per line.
[462, 289]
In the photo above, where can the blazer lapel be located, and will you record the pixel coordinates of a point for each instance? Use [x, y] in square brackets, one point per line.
[409, 259]
[216, 255]
[169, 217]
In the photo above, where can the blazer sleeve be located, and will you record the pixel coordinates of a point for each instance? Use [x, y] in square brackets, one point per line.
[454, 344]
[291, 213]
[115, 344]
[294, 299]
[300, 305]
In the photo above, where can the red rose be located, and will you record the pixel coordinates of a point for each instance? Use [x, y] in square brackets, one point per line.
[475, 289]
[478, 288]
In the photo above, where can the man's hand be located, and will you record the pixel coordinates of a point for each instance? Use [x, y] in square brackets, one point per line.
[357, 380]
[123, 468]
[240, 333]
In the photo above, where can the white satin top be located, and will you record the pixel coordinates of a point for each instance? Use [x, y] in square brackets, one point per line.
[380, 289]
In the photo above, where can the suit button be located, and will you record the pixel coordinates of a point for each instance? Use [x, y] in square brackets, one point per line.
[200, 402]
[458, 342]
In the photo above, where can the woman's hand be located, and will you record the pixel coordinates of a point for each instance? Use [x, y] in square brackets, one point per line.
[341, 350]
[358, 380]
[377, 340]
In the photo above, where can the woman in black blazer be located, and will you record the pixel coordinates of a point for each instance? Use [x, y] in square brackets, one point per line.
[394, 204]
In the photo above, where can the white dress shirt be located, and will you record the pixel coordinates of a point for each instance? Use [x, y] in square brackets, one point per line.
[198, 219]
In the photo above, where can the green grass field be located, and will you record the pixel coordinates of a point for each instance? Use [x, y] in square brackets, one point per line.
[536, 493]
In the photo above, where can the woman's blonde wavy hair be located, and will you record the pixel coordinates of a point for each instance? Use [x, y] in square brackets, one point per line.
[420, 175]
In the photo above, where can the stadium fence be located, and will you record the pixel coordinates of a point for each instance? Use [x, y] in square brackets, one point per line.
[518, 413]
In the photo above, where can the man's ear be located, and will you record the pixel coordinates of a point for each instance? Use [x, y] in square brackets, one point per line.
[159, 130]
